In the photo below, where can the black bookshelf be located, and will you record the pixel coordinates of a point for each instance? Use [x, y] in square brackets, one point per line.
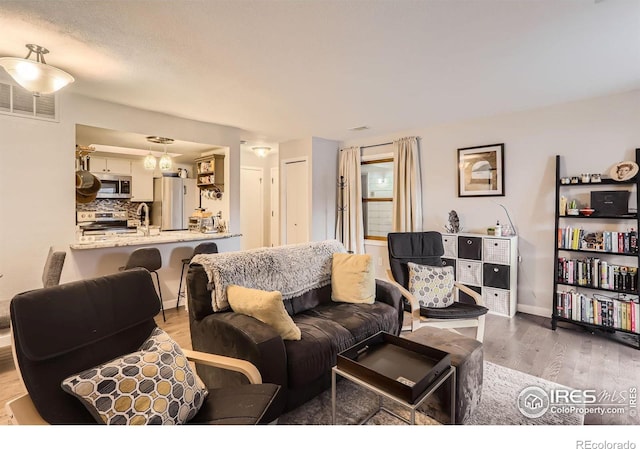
[622, 335]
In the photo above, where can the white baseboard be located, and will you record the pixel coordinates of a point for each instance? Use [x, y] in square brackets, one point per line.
[534, 310]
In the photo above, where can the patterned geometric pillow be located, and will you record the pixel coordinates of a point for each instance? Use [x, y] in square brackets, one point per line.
[154, 385]
[432, 286]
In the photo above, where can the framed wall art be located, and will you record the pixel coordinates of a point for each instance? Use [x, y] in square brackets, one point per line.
[481, 170]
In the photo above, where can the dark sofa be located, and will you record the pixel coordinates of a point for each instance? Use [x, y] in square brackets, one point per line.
[303, 367]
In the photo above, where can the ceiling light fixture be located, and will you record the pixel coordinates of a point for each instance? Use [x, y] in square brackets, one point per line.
[36, 76]
[261, 151]
[165, 161]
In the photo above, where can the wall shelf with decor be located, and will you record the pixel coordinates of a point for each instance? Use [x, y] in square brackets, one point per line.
[486, 264]
[595, 281]
[210, 172]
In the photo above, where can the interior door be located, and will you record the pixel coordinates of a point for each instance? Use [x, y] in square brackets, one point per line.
[296, 186]
[251, 207]
[275, 206]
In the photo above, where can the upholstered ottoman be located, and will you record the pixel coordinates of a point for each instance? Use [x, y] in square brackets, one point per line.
[467, 357]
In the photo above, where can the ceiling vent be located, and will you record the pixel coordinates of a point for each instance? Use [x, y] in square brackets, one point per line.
[359, 128]
[15, 100]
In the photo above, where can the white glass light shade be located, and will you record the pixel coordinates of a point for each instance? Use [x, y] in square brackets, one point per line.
[35, 76]
[149, 162]
[261, 151]
[165, 162]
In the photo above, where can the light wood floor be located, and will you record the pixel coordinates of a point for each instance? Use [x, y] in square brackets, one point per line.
[568, 356]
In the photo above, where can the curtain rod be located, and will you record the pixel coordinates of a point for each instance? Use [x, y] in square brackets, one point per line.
[371, 146]
[377, 145]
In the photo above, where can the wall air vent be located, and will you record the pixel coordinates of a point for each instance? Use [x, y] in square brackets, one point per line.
[14, 100]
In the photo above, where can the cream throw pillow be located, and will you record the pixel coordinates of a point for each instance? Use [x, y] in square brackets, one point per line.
[264, 306]
[353, 278]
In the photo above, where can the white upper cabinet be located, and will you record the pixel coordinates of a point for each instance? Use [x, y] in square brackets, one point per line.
[115, 166]
[141, 182]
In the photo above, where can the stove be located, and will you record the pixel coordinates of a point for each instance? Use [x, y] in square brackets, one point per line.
[93, 222]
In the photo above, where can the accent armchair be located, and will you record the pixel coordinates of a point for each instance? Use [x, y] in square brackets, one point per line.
[432, 294]
[90, 352]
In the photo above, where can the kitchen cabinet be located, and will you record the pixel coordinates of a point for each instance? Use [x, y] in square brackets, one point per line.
[210, 172]
[116, 166]
[141, 182]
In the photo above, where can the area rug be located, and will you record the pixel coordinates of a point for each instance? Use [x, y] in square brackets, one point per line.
[500, 391]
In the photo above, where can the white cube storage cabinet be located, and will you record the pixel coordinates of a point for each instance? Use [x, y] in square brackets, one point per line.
[486, 264]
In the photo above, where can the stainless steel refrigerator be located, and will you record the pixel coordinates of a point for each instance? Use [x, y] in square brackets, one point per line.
[174, 201]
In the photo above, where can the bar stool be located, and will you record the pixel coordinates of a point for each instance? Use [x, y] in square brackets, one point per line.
[53, 267]
[202, 248]
[150, 259]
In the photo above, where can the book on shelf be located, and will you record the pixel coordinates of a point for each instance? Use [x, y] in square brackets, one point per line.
[606, 241]
[597, 273]
[616, 313]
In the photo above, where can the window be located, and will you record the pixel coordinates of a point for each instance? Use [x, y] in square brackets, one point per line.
[377, 201]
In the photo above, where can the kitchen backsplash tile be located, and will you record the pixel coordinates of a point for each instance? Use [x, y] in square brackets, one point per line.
[106, 205]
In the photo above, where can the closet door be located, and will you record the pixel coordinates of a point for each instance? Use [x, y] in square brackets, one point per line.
[296, 204]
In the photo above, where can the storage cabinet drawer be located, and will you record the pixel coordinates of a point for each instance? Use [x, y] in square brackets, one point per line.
[469, 272]
[470, 248]
[497, 301]
[495, 275]
[450, 244]
[463, 297]
[450, 263]
[497, 251]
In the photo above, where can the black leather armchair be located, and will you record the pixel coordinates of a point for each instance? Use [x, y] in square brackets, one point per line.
[426, 248]
[66, 329]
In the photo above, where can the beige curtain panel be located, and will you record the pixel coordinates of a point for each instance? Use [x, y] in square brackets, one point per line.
[350, 227]
[407, 186]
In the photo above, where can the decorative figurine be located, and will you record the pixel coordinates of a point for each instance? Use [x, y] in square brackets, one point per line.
[454, 223]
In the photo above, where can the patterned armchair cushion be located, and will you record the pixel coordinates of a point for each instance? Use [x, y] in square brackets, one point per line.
[431, 286]
[154, 385]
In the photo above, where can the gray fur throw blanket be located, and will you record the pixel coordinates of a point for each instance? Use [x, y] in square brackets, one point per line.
[290, 269]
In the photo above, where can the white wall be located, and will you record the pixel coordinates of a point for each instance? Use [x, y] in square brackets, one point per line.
[325, 173]
[591, 135]
[37, 164]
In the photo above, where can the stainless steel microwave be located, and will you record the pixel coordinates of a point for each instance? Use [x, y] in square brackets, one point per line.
[114, 186]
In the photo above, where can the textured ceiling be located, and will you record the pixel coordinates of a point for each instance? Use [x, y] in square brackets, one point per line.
[289, 69]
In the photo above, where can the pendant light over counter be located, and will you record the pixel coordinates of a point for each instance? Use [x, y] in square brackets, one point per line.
[166, 163]
[150, 162]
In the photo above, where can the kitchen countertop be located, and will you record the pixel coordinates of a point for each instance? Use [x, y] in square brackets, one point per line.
[112, 241]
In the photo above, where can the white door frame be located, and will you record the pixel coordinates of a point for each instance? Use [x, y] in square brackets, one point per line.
[274, 200]
[283, 196]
